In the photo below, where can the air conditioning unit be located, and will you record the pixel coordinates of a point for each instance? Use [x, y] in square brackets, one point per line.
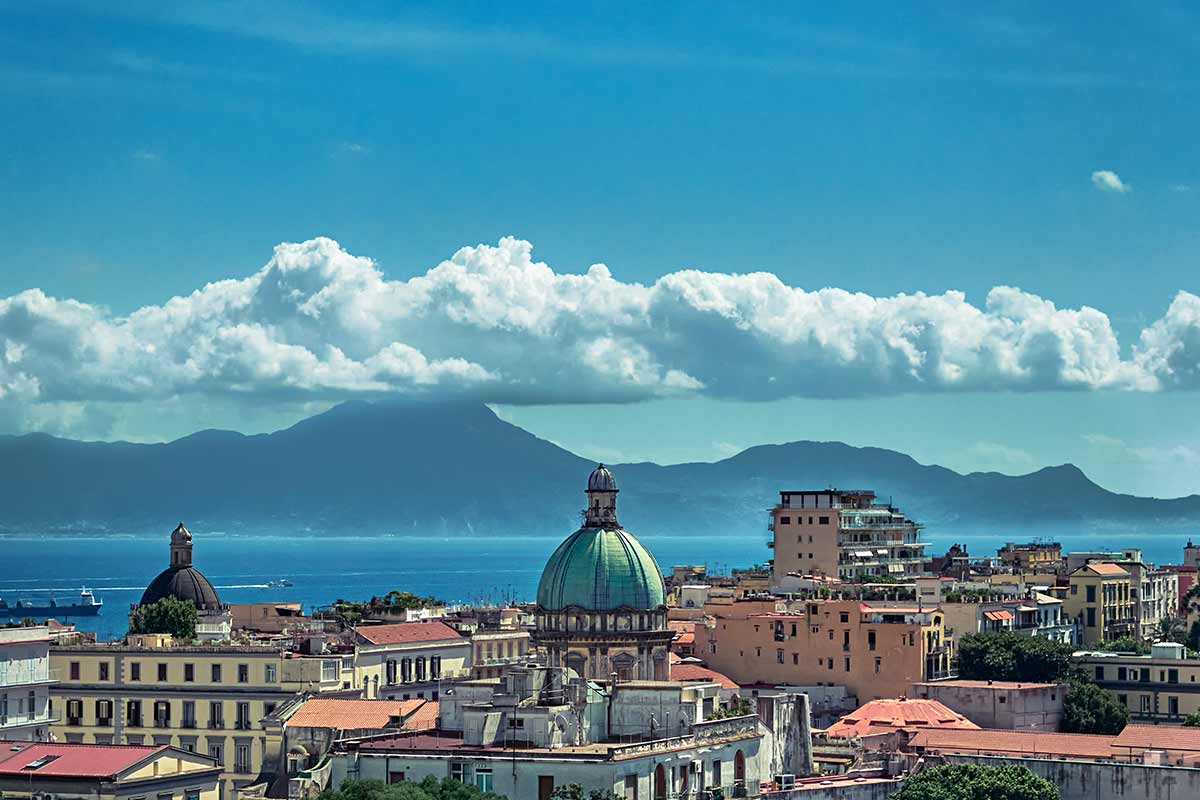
[787, 781]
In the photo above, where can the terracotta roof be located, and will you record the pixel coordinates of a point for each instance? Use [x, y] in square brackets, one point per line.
[998, 616]
[883, 716]
[987, 740]
[688, 637]
[1105, 569]
[72, 760]
[965, 684]
[688, 673]
[1159, 737]
[425, 718]
[403, 632]
[348, 715]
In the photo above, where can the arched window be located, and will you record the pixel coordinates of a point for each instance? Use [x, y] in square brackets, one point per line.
[660, 783]
[739, 767]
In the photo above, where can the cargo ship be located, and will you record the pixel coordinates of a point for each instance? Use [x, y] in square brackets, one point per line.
[86, 606]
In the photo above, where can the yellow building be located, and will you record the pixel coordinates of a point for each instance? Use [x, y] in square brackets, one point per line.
[88, 772]
[408, 660]
[208, 699]
[1160, 687]
[1099, 599]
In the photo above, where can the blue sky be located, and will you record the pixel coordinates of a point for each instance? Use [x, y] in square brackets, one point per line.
[880, 149]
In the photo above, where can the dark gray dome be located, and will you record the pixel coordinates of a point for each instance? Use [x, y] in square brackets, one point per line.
[601, 480]
[183, 583]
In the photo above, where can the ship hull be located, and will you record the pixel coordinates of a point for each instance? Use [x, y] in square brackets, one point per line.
[34, 612]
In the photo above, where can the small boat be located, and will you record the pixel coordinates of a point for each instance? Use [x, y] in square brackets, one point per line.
[279, 583]
[86, 606]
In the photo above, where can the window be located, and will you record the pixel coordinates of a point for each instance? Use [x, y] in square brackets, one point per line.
[458, 771]
[1091, 593]
[1144, 703]
[795, 658]
[104, 713]
[878, 664]
[847, 663]
[1099, 673]
[1172, 676]
[1003, 699]
[216, 673]
[243, 673]
[216, 714]
[435, 667]
[189, 673]
[871, 641]
[1091, 617]
[133, 713]
[191, 794]
[420, 668]
[241, 758]
[74, 712]
[395, 777]
[1122, 674]
[162, 714]
[1173, 706]
[785, 520]
[189, 714]
[270, 673]
[779, 656]
[103, 667]
[405, 670]
[389, 671]
[1145, 674]
[845, 641]
[217, 753]
[716, 772]
[74, 670]
[135, 671]
[243, 716]
[843, 617]
[823, 520]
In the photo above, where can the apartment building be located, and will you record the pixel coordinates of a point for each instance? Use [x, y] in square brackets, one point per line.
[1031, 556]
[1032, 614]
[409, 660]
[25, 681]
[843, 534]
[874, 650]
[1155, 596]
[208, 699]
[1100, 599]
[1161, 687]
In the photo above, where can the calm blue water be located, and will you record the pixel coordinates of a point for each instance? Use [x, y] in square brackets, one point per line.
[463, 569]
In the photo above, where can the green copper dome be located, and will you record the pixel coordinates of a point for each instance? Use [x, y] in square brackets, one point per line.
[601, 570]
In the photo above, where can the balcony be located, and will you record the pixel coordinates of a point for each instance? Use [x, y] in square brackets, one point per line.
[13, 676]
[216, 724]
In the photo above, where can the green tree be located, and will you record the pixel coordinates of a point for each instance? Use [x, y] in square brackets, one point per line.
[1009, 656]
[428, 789]
[975, 782]
[1192, 720]
[1090, 709]
[1126, 644]
[168, 615]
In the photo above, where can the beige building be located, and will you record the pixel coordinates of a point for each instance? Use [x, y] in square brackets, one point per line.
[1155, 596]
[1161, 687]
[408, 660]
[843, 534]
[36, 771]
[1031, 556]
[1000, 704]
[208, 699]
[494, 651]
[875, 651]
[1100, 600]
[269, 617]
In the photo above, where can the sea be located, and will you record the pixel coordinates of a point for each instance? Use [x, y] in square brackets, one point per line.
[467, 568]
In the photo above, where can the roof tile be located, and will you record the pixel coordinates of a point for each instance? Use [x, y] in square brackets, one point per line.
[404, 632]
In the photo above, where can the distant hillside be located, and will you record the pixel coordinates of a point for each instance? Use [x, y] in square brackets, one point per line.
[364, 468]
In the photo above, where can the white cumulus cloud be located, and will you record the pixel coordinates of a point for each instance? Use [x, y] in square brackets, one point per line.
[491, 323]
[1109, 181]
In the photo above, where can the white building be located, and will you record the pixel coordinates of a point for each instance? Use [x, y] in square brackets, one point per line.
[25, 680]
[541, 728]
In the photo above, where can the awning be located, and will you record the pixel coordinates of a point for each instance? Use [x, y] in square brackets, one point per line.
[998, 616]
[882, 551]
[895, 568]
[863, 554]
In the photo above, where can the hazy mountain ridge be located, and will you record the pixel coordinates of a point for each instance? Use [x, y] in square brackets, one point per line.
[446, 469]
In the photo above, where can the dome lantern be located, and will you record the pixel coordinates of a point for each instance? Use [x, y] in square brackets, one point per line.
[602, 499]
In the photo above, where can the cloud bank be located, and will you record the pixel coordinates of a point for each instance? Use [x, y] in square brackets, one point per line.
[491, 323]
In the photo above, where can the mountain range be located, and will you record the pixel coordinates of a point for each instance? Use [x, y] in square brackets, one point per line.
[446, 469]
